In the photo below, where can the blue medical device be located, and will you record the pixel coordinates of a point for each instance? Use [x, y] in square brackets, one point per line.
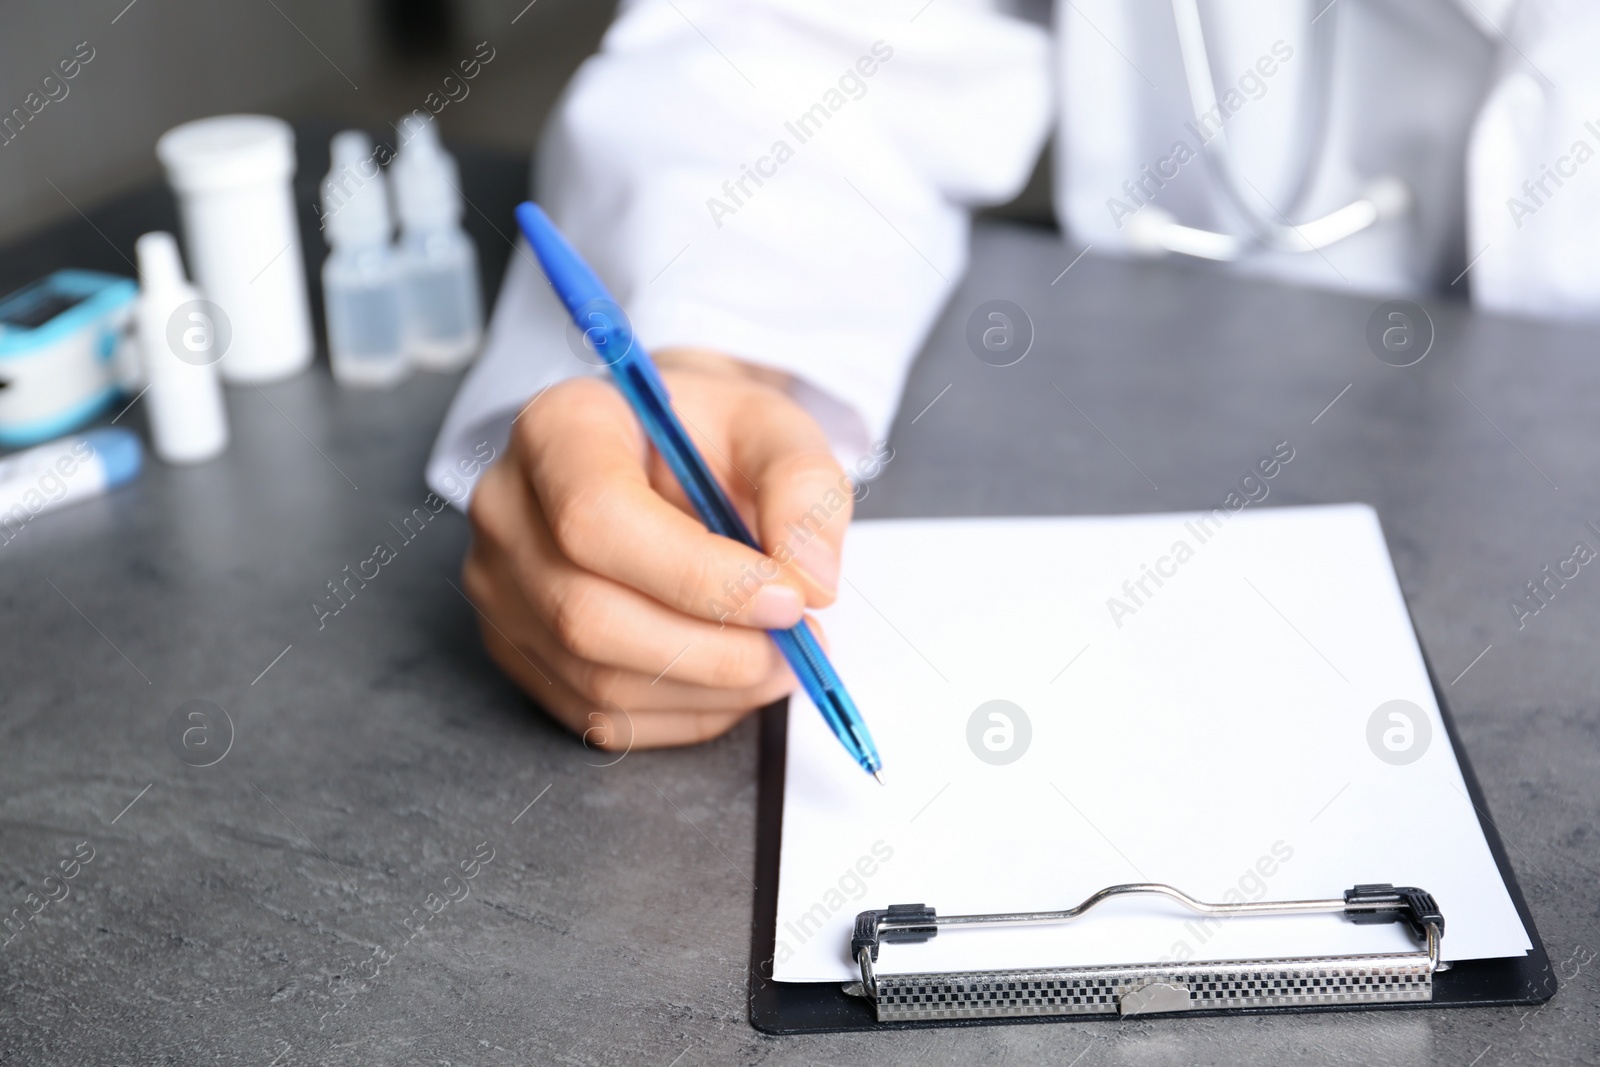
[59, 338]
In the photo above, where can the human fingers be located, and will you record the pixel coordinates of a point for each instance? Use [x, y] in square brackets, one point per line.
[600, 622]
[803, 498]
[586, 463]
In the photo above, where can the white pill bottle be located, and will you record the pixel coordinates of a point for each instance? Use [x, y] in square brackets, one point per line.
[231, 174]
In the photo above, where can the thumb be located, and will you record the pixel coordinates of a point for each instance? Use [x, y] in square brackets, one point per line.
[803, 498]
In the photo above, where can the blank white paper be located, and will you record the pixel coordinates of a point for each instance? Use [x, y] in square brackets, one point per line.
[1209, 731]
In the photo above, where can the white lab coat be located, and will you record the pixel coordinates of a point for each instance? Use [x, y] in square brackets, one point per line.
[790, 181]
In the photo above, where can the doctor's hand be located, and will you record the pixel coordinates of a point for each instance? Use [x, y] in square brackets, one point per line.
[604, 596]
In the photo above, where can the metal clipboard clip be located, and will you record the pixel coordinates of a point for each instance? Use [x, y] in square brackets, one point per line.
[1146, 988]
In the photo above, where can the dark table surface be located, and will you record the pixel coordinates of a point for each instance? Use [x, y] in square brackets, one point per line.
[275, 908]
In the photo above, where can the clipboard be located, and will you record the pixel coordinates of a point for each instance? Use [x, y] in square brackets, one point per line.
[822, 1007]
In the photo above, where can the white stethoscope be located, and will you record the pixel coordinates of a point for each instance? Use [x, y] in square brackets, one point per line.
[1156, 231]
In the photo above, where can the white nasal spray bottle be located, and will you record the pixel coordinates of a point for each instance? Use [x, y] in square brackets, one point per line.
[179, 345]
[444, 304]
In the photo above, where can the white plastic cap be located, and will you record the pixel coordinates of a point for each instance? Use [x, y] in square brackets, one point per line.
[426, 181]
[160, 268]
[227, 152]
[355, 199]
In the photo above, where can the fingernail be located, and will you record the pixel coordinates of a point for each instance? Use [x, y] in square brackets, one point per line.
[820, 561]
[776, 607]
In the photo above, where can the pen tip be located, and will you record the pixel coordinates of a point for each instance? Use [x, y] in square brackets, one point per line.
[879, 776]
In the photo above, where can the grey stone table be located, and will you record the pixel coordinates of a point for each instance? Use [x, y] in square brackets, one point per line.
[304, 900]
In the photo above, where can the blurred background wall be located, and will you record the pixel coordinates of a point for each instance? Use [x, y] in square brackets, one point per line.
[156, 63]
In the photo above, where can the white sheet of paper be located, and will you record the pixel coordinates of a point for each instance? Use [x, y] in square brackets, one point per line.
[1214, 736]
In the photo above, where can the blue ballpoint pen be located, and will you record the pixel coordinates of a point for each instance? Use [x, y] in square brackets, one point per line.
[608, 330]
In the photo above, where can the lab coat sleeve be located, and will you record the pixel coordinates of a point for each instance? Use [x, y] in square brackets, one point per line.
[787, 181]
[1533, 168]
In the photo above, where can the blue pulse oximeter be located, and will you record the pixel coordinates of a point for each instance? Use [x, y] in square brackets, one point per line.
[59, 338]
